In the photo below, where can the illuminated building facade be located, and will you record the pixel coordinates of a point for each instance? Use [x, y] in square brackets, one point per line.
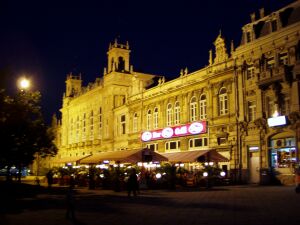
[225, 106]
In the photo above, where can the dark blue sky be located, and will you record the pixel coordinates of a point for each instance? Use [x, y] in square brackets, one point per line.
[47, 40]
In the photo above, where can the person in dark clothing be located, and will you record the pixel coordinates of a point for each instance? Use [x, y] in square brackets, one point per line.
[70, 202]
[49, 178]
[132, 185]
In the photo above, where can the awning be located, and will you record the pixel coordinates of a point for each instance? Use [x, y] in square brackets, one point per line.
[70, 159]
[129, 156]
[195, 156]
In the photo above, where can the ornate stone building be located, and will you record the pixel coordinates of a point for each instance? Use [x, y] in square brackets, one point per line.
[229, 106]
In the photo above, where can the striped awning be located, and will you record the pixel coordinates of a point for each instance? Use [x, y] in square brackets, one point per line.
[124, 156]
[194, 156]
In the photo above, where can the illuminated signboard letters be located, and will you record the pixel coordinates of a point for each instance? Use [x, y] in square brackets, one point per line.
[177, 131]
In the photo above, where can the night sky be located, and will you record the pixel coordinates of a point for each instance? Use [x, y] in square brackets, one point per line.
[46, 41]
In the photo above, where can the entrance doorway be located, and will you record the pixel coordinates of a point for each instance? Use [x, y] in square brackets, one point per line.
[253, 168]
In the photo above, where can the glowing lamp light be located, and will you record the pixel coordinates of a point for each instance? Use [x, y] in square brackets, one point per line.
[205, 174]
[24, 83]
[275, 114]
[158, 175]
[223, 174]
[211, 163]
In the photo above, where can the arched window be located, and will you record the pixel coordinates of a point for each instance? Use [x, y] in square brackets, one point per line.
[169, 114]
[149, 119]
[121, 64]
[155, 118]
[135, 123]
[193, 109]
[223, 101]
[202, 107]
[177, 113]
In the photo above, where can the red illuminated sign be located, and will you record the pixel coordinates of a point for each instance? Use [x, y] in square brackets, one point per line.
[177, 131]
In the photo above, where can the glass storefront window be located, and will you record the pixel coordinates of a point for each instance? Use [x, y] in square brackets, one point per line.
[283, 158]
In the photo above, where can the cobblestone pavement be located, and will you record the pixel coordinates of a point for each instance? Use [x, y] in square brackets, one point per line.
[230, 205]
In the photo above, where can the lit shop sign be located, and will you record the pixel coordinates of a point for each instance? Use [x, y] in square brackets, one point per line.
[170, 132]
[277, 121]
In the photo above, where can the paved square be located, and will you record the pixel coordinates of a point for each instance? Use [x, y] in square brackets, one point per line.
[230, 205]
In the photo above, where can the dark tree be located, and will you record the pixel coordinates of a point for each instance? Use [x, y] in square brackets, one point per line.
[23, 133]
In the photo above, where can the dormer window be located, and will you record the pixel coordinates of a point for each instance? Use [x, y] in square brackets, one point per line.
[274, 25]
[248, 36]
[250, 72]
[283, 58]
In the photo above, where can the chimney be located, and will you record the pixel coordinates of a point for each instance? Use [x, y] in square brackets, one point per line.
[252, 15]
[262, 12]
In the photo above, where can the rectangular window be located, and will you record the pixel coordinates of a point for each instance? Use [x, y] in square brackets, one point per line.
[172, 145]
[248, 36]
[202, 109]
[285, 106]
[123, 124]
[283, 58]
[251, 111]
[270, 107]
[135, 123]
[250, 72]
[198, 142]
[100, 123]
[153, 147]
[91, 125]
[221, 140]
[274, 25]
[270, 63]
[84, 127]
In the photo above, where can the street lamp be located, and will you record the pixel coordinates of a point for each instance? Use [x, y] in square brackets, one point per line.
[24, 83]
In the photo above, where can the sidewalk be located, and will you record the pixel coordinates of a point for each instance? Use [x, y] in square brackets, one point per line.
[241, 205]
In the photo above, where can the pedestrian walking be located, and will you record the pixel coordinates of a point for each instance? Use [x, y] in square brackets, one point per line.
[49, 176]
[132, 184]
[70, 202]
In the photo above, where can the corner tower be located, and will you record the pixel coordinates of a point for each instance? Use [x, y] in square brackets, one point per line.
[73, 85]
[118, 57]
